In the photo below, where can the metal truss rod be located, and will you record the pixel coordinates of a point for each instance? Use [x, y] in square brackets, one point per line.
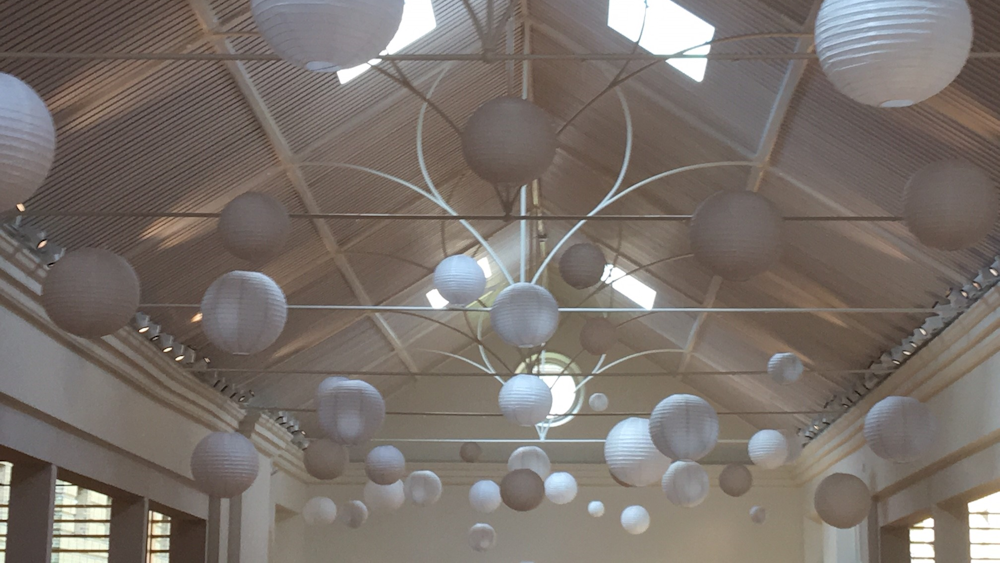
[591, 310]
[512, 441]
[365, 373]
[461, 414]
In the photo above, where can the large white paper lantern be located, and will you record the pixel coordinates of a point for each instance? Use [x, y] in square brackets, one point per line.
[735, 480]
[243, 312]
[328, 384]
[598, 335]
[684, 427]
[384, 498]
[900, 429]
[532, 458]
[635, 520]
[785, 368]
[736, 235]
[525, 400]
[525, 315]
[254, 226]
[325, 459]
[758, 515]
[27, 141]
[950, 204]
[459, 279]
[631, 455]
[509, 141]
[595, 508]
[893, 53]
[598, 402]
[423, 488]
[385, 465]
[560, 488]
[582, 265]
[224, 464]
[470, 452]
[686, 484]
[768, 449]
[354, 514]
[327, 35]
[842, 500]
[90, 292]
[351, 412]
[484, 496]
[482, 537]
[319, 511]
[522, 490]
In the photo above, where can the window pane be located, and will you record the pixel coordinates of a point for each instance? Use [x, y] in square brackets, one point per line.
[158, 548]
[984, 528]
[5, 469]
[82, 525]
[922, 542]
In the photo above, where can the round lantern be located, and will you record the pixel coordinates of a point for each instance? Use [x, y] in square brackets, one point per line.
[319, 511]
[619, 481]
[768, 449]
[684, 427]
[351, 412]
[560, 488]
[525, 315]
[522, 490]
[384, 498]
[484, 496]
[509, 141]
[27, 141]
[385, 465]
[582, 265]
[354, 514]
[598, 402]
[758, 514]
[254, 226]
[482, 537]
[794, 445]
[243, 312]
[224, 464]
[598, 336]
[525, 400]
[950, 205]
[325, 459]
[327, 35]
[530, 457]
[686, 484]
[635, 520]
[631, 455]
[89, 292]
[736, 235]
[328, 384]
[893, 53]
[842, 500]
[735, 480]
[595, 508]
[423, 488]
[470, 452]
[459, 279]
[785, 368]
[899, 429]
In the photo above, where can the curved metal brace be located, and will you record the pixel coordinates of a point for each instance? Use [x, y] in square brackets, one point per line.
[405, 83]
[638, 355]
[597, 369]
[474, 340]
[457, 357]
[601, 286]
[393, 256]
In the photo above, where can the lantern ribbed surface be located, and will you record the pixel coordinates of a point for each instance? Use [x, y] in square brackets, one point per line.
[509, 141]
[384, 498]
[351, 412]
[950, 205]
[560, 488]
[470, 452]
[27, 141]
[327, 35]
[385, 465]
[685, 484]
[532, 458]
[482, 537]
[243, 312]
[635, 519]
[768, 449]
[900, 429]
[525, 400]
[254, 226]
[484, 496]
[785, 368]
[736, 235]
[582, 265]
[893, 53]
[631, 455]
[595, 508]
[598, 335]
[224, 464]
[684, 427]
[735, 480]
[758, 515]
[423, 488]
[319, 511]
[598, 402]
[91, 292]
[459, 279]
[842, 500]
[354, 514]
[325, 459]
[525, 315]
[522, 490]
[328, 384]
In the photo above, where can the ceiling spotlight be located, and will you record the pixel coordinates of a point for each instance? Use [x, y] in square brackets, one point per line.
[184, 355]
[141, 322]
[197, 317]
[21, 207]
[165, 342]
[51, 254]
[200, 365]
[897, 355]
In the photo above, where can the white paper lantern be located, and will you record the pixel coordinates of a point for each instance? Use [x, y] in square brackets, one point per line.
[842, 500]
[423, 488]
[459, 279]
[384, 498]
[560, 488]
[635, 520]
[90, 292]
[950, 205]
[522, 490]
[509, 141]
[900, 429]
[482, 537]
[351, 412]
[525, 400]
[595, 508]
[385, 465]
[470, 452]
[598, 402]
[735, 480]
[530, 457]
[325, 459]
[598, 336]
[484, 496]
[354, 514]
[631, 455]
[794, 445]
[768, 449]
[785, 368]
[686, 484]
[758, 514]
[224, 464]
[27, 141]
[736, 235]
[243, 312]
[684, 427]
[254, 226]
[582, 265]
[525, 315]
[328, 384]
[327, 35]
[319, 511]
[893, 53]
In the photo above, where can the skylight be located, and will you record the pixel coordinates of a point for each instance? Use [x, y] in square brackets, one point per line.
[640, 293]
[439, 302]
[418, 21]
[669, 29]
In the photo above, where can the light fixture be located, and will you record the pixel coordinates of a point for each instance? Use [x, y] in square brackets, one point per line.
[20, 207]
[141, 322]
[51, 254]
[197, 317]
[165, 342]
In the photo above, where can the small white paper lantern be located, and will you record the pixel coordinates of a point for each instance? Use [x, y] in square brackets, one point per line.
[509, 141]
[482, 537]
[224, 464]
[598, 336]
[735, 480]
[470, 452]
[736, 235]
[484, 496]
[686, 484]
[525, 400]
[351, 412]
[893, 53]
[243, 312]
[595, 508]
[631, 455]
[385, 465]
[635, 520]
[758, 515]
[768, 449]
[325, 459]
[950, 204]
[684, 427]
[89, 292]
[354, 514]
[525, 315]
[522, 490]
[459, 279]
[582, 265]
[327, 35]
[423, 488]
[319, 511]
[27, 141]
[842, 500]
[254, 226]
[900, 429]
[560, 488]
[384, 498]
[598, 402]
[785, 368]
[530, 457]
